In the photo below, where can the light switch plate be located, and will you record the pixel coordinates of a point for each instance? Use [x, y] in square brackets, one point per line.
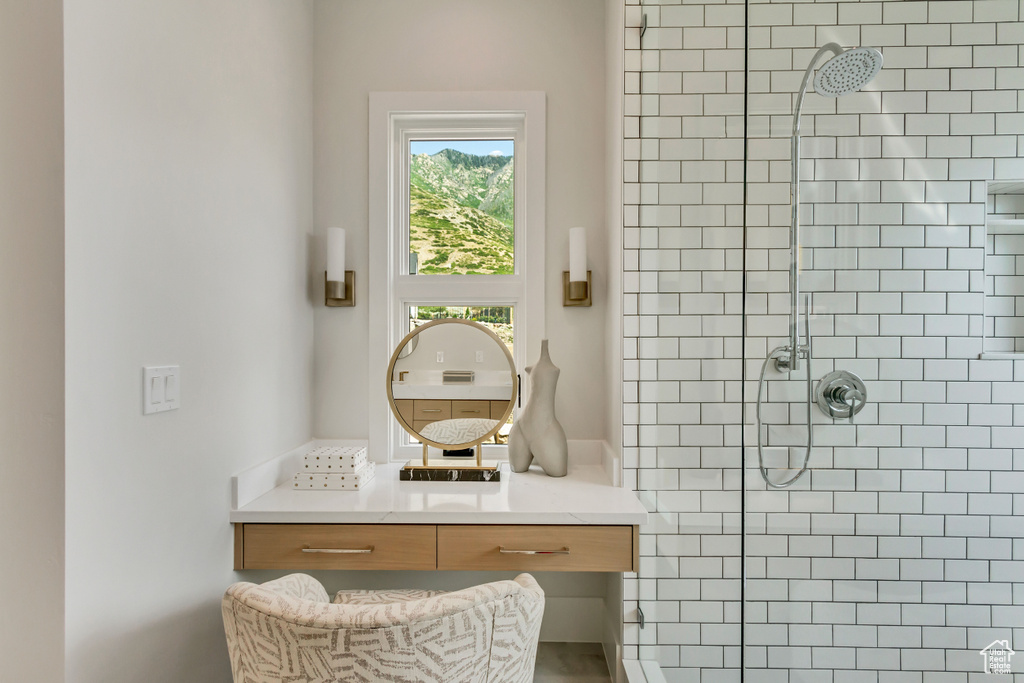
[161, 389]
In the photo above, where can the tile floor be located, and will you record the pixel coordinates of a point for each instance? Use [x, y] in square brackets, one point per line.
[571, 663]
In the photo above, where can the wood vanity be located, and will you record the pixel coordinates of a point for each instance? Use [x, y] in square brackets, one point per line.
[506, 547]
[421, 412]
[525, 522]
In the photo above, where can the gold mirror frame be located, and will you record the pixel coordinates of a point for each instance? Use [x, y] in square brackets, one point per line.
[476, 443]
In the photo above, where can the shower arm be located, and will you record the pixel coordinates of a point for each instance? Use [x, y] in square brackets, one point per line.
[793, 362]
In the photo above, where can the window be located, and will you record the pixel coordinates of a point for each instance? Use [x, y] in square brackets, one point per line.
[461, 207]
[456, 226]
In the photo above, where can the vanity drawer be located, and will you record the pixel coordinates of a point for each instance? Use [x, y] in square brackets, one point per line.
[498, 409]
[406, 409]
[590, 548]
[309, 546]
[432, 410]
[480, 409]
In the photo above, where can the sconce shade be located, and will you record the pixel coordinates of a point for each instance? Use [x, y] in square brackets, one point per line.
[336, 254]
[339, 284]
[577, 255]
[576, 280]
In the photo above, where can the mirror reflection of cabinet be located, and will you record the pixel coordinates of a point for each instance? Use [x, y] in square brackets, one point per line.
[452, 385]
[421, 412]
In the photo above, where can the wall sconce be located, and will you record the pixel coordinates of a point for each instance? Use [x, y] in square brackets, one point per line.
[339, 284]
[576, 280]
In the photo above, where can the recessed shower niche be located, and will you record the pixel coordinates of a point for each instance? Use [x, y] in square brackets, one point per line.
[1004, 269]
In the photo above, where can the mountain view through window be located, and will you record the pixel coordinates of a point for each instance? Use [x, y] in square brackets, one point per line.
[461, 207]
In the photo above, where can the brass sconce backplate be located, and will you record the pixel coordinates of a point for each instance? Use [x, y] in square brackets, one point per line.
[571, 291]
[331, 291]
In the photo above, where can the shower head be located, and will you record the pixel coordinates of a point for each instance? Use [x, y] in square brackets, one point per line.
[847, 72]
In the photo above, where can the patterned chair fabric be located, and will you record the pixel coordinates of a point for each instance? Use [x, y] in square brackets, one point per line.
[458, 430]
[288, 631]
[365, 597]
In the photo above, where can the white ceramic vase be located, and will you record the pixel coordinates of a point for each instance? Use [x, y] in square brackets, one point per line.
[536, 435]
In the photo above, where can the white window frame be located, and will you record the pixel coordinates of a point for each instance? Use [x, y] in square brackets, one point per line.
[395, 119]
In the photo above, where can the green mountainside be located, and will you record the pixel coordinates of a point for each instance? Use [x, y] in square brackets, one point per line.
[461, 212]
[451, 238]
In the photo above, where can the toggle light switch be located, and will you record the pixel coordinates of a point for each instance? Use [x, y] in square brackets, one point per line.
[160, 389]
[171, 388]
[156, 390]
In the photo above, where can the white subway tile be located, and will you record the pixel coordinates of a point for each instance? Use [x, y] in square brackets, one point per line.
[996, 11]
[950, 11]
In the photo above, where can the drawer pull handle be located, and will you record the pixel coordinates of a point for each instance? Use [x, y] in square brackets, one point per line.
[463, 410]
[339, 551]
[507, 551]
[431, 410]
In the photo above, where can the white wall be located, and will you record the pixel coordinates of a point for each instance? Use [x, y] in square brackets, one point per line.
[31, 341]
[189, 200]
[396, 45]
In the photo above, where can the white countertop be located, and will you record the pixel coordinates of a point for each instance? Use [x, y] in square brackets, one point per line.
[446, 392]
[487, 384]
[584, 496]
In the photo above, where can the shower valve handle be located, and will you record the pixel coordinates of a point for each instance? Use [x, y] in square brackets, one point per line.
[852, 397]
[841, 394]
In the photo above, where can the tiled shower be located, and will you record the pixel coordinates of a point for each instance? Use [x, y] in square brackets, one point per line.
[899, 557]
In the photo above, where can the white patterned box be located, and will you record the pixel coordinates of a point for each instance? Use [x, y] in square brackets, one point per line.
[334, 459]
[334, 481]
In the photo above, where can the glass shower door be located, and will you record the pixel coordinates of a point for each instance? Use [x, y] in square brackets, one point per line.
[898, 555]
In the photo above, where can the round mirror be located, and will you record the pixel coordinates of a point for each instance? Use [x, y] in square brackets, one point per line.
[409, 347]
[452, 383]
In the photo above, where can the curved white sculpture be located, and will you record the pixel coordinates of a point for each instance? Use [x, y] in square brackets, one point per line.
[537, 435]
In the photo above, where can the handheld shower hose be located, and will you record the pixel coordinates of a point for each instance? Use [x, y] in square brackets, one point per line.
[777, 354]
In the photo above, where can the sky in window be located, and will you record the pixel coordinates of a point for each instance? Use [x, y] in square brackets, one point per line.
[476, 147]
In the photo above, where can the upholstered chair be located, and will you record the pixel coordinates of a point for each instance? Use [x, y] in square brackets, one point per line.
[288, 630]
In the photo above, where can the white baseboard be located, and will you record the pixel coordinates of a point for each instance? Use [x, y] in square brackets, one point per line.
[645, 671]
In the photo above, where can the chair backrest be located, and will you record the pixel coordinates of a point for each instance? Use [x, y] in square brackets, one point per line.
[288, 630]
